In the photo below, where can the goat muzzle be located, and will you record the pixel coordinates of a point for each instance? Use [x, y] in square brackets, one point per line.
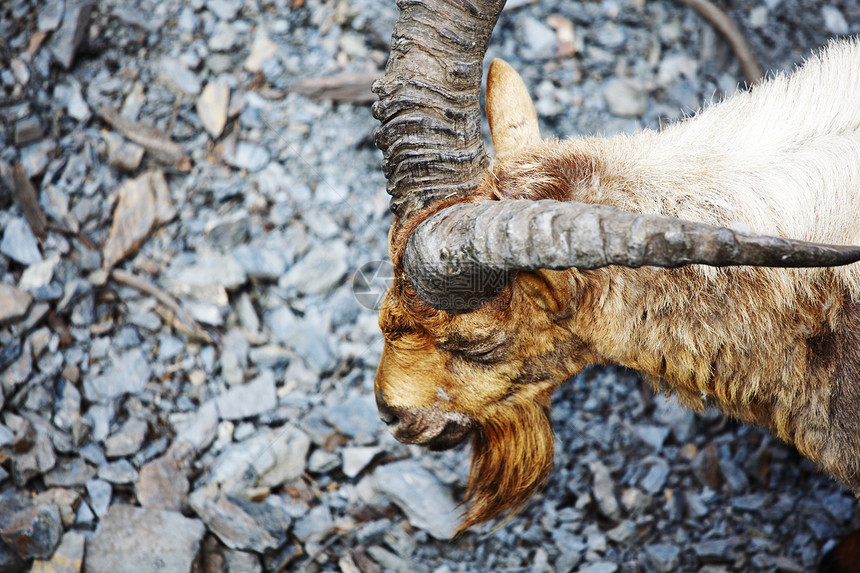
[430, 427]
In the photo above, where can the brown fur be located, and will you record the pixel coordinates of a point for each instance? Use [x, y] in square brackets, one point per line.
[775, 347]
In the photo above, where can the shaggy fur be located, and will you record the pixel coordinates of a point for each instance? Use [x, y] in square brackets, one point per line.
[775, 347]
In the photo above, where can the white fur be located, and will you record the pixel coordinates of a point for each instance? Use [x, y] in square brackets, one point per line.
[782, 159]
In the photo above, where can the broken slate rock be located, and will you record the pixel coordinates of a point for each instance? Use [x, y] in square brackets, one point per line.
[119, 472]
[319, 271]
[51, 15]
[248, 400]
[163, 482]
[133, 219]
[128, 375]
[177, 77]
[14, 304]
[424, 499]
[71, 472]
[19, 243]
[131, 539]
[32, 529]
[199, 428]
[248, 156]
[212, 106]
[100, 493]
[68, 557]
[233, 526]
[128, 440]
[357, 458]
[357, 418]
[66, 41]
[261, 50]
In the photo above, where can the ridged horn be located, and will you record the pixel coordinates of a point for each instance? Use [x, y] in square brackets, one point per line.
[464, 255]
[428, 104]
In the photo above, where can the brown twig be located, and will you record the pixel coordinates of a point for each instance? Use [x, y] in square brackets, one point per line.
[27, 199]
[143, 285]
[159, 145]
[725, 26]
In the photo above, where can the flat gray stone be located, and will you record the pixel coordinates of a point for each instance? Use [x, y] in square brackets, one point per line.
[128, 375]
[357, 418]
[224, 9]
[128, 440]
[624, 98]
[260, 263]
[355, 459]
[603, 490]
[834, 20]
[71, 472]
[319, 271]
[176, 76]
[132, 539]
[248, 400]
[268, 458]
[433, 510]
[163, 482]
[249, 156]
[315, 525]
[664, 558]
[19, 243]
[100, 493]
[119, 472]
[51, 15]
[200, 428]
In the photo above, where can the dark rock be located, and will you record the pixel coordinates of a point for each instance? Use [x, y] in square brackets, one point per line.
[32, 529]
[706, 467]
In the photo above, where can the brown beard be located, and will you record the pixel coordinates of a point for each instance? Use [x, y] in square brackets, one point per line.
[511, 457]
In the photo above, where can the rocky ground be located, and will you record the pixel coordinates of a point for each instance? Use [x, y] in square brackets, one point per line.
[186, 370]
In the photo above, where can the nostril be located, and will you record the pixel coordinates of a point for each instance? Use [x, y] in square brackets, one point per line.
[386, 414]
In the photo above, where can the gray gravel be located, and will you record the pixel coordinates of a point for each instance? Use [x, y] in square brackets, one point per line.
[249, 441]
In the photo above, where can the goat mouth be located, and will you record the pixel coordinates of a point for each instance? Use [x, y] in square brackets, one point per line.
[452, 435]
[429, 427]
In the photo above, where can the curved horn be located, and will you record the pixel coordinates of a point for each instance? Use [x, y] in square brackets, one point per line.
[463, 256]
[429, 101]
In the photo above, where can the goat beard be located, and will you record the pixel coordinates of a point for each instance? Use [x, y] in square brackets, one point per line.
[512, 456]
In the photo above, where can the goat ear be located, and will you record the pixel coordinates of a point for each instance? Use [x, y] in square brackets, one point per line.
[545, 292]
[510, 113]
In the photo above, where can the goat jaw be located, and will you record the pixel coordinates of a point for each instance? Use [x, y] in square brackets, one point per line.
[430, 427]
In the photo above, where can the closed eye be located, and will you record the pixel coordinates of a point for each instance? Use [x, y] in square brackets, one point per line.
[482, 351]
